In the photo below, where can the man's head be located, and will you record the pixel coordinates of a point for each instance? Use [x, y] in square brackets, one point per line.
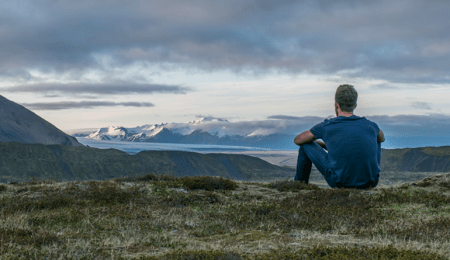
[345, 98]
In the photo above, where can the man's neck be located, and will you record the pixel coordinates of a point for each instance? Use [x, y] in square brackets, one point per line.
[346, 114]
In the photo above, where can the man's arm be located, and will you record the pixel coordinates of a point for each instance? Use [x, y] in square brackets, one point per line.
[304, 137]
[380, 137]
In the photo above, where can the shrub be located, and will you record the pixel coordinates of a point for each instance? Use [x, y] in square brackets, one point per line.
[182, 199]
[340, 252]
[3, 188]
[151, 177]
[28, 237]
[106, 193]
[317, 252]
[445, 184]
[208, 183]
[291, 185]
[198, 254]
[88, 193]
[392, 195]
[64, 218]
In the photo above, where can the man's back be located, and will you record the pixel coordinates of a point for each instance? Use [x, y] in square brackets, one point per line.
[352, 148]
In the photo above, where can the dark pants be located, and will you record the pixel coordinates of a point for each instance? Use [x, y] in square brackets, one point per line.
[312, 152]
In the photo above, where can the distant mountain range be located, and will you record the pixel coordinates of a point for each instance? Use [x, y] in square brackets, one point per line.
[213, 131]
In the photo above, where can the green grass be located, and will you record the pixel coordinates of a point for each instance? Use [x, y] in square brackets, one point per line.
[319, 252]
[164, 217]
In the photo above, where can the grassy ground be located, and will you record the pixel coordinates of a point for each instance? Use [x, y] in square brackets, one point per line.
[163, 217]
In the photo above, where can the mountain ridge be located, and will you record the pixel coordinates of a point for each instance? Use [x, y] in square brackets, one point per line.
[421, 159]
[20, 162]
[19, 124]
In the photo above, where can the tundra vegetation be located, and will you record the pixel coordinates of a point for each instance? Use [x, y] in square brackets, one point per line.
[165, 217]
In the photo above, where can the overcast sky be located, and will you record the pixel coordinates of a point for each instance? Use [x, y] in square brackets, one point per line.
[90, 64]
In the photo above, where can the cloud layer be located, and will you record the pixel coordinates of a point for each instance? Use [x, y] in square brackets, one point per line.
[82, 104]
[431, 125]
[98, 89]
[393, 40]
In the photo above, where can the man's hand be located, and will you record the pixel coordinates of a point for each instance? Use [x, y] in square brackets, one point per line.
[380, 137]
[322, 144]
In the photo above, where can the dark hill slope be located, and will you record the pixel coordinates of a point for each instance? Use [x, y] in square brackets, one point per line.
[18, 124]
[422, 159]
[19, 162]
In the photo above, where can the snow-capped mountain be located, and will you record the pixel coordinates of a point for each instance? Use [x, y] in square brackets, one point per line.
[145, 132]
[206, 130]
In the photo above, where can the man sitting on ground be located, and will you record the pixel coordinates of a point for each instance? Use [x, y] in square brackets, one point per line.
[353, 144]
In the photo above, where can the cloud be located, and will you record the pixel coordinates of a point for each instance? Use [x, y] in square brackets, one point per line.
[207, 116]
[323, 37]
[82, 104]
[383, 86]
[434, 124]
[99, 89]
[421, 105]
[284, 117]
[412, 120]
[19, 75]
[262, 127]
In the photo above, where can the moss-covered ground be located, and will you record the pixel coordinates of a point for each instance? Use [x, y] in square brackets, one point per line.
[164, 217]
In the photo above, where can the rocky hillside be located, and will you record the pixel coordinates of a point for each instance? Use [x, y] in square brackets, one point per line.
[19, 162]
[18, 124]
[423, 159]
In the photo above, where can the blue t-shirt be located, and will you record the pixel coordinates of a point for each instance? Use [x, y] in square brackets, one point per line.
[352, 148]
